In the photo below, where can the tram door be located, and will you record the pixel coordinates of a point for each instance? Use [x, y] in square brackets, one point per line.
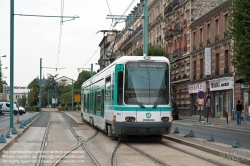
[118, 85]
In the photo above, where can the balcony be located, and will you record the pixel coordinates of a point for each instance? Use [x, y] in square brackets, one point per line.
[179, 77]
[185, 49]
[216, 72]
[167, 9]
[184, 76]
[194, 48]
[185, 22]
[201, 45]
[137, 31]
[177, 27]
[226, 36]
[201, 75]
[208, 42]
[194, 78]
[168, 34]
[175, 3]
[175, 53]
[226, 70]
[216, 38]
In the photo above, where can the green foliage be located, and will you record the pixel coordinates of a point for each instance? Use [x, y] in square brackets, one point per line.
[32, 109]
[83, 76]
[153, 51]
[23, 102]
[66, 98]
[33, 82]
[33, 95]
[239, 31]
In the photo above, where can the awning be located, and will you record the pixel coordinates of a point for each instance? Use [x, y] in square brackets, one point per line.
[239, 81]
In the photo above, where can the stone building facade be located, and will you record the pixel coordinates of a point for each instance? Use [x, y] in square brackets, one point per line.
[169, 22]
[211, 70]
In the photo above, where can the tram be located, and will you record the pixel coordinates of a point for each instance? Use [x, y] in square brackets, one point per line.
[131, 96]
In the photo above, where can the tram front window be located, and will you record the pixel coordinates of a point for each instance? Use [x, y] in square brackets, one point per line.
[146, 83]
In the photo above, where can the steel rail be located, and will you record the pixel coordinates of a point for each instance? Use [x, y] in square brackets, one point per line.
[113, 158]
[200, 157]
[79, 143]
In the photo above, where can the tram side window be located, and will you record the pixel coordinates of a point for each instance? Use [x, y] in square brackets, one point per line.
[167, 80]
[120, 88]
[108, 89]
[86, 103]
[98, 101]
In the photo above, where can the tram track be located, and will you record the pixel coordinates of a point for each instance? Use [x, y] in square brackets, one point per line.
[80, 143]
[41, 154]
[192, 154]
[154, 159]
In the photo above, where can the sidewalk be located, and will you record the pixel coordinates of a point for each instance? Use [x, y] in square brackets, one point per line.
[216, 123]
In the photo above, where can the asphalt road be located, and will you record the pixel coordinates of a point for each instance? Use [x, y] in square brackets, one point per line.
[5, 119]
[222, 136]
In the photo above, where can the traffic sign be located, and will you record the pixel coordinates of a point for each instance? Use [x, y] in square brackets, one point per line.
[200, 94]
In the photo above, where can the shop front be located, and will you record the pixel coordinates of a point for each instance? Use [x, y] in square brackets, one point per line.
[222, 97]
[193, 89]
[246, 92]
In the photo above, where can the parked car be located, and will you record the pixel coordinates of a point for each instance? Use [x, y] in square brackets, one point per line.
[22, 109]
[175, 111]
[6, 108]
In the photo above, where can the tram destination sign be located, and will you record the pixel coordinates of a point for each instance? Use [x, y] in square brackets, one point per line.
[146, 65]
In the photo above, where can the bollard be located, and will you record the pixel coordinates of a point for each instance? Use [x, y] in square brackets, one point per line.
[210, 138]
[8, 134]
[14, 131]
[191, 134]
[2, 139]
[236, 144]
[21, 125]
[176, 130]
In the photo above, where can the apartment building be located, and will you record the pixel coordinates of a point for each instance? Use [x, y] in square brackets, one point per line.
[169, 22]
[211, 70]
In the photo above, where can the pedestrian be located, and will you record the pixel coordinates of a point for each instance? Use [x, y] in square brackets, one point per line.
[238, 112]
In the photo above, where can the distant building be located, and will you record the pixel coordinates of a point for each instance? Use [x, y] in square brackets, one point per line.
[19, 92]
[64, 80]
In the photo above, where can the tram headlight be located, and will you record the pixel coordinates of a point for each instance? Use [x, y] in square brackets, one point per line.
[165, 119]
[130, 119]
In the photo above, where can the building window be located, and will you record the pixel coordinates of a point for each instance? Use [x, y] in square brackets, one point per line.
[226, 22]
[217, 61]
[201, 66]
[201, 35]
[194, 68]
[226, 59]
[208, 31]
[194, 39]
[217, 27]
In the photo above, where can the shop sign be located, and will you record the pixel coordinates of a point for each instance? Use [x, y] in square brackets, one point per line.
[208, 61]
[195, 88]
[243, 86]
[221, 84]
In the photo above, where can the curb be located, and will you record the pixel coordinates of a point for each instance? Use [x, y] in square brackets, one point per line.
[200, 147]
[214, 127]
[18, 135]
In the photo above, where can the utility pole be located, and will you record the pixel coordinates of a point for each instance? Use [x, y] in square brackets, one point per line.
[11, 61]
[40, 87]
[72, 94]
[145, 29]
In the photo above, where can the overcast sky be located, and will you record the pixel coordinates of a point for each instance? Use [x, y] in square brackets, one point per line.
[38, 37]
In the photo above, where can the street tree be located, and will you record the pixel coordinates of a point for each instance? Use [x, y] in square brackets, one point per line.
[239, 31]
[153, 50]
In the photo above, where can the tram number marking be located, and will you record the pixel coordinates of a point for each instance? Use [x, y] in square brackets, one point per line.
[148, 115]
[118, 113]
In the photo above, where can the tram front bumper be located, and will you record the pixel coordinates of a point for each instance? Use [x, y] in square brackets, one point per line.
[141, 128]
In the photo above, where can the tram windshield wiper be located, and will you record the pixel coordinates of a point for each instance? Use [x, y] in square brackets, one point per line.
[155, 104]
[139, 103]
